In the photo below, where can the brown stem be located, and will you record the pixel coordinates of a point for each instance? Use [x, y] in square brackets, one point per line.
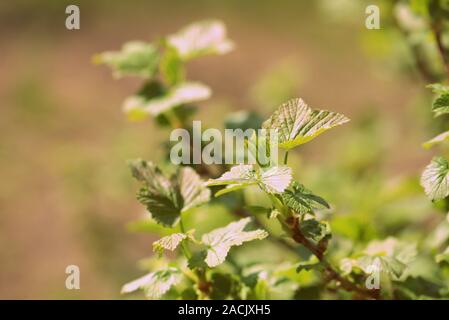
[318, 251]
[437, 31]
[423, 68]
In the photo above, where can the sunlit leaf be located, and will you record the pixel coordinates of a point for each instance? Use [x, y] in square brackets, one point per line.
[276, 179]
[437, 140]
[435, 179]
[201, 38]
[183, 93]
[220, 241]
[390, 256]
[166, 198]
[297, 123]
[154, 284]
[170, 242]
[273, 180]
[135, 58]
[192, 189]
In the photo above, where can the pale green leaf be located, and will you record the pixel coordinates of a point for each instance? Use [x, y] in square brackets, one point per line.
[192, 189]
[443, 257]
[239, 174]
[276, 179]
[435, 179]
[390, 256]
[201, 38]
[220, 241]
[297, 123]
[135, 58]
[154, 284]
[170, 242]
[438, 88]
[166, 198]
[180, 94]
[273, 180]
[437, 140]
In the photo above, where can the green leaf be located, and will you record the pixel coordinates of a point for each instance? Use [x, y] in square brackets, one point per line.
[302, 200]
[135, 58]
[201, 38]
[225, 286]
[172, 67]
[438, 88]
[244, 120]
[167, 198]
[443, 257]
[197, 260]
[297, 123]
[180, 94]
[435, 179]
[314, 229]
[391, 256]
[192, 189]
[437, 140]
[220, 241]
[440, 105]
[312, 264]
[170, 242]
[273, 180]
[154, 284]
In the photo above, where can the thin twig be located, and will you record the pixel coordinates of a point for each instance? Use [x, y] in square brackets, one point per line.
[437, 32]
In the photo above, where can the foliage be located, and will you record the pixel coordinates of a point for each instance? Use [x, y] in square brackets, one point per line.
[323, 254]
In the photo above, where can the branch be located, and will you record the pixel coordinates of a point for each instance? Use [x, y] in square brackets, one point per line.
[318, 251]
[437, 32]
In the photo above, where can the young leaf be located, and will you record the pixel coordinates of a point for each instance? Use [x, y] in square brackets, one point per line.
[440, 105]
[170, 242]
[136, 58]
[192, 189]
[236, 178]
[302, 200]
[443, 257]
[297, 123]
[435, 179]
[273, 180]
[314, 229]
[438, 88]
[220, 241]
[437, 140]
[201, 38]
[276, 179]
[167, 198]
[178, 95]
[390, 256]
[171, 66]
[154, 284]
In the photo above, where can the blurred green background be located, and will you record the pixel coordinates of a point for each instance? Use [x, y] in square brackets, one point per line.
[65, 191]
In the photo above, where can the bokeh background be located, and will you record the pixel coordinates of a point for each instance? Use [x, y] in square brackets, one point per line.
[66, 195]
